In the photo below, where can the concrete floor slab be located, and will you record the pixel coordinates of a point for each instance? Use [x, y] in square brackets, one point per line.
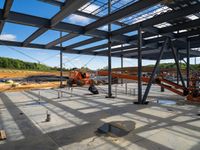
[74, 120]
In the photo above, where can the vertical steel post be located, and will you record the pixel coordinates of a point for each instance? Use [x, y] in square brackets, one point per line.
[139, 65]
[122, 66]
[188, 62]
[109, 56]
[177, 75]
[61, 63]
[154, 71]
[126, 87]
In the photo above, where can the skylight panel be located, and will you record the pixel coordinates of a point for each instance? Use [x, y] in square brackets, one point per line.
[92, 7]
[152, 37]
[196, 49]
[192, 17]
[147, 14]
[89, 7]
[162, 25]
[79, 20]
[181, 31]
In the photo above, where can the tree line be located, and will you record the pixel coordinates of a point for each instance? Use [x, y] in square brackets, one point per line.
[182, 66]
[10, 63]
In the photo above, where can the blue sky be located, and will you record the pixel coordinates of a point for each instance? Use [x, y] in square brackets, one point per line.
[50, 57]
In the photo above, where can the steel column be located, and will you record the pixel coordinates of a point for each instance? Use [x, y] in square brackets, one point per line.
[154, 71]
[177, 75]
[109, 56]
[139, 65]
[122, 65]
[177, 63]
[61, 63]
[188, 62]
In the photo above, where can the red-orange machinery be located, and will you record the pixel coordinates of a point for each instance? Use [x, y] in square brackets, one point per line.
[78, 78]
[192, 93]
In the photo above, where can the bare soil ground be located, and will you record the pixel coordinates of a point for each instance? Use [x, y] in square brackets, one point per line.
[7, 74]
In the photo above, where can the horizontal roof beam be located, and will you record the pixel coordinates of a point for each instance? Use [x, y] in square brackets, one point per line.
[98, 47]
[61, 39]
[195, 43]
[53, 2]
[82, 43]
[69, 7]
[41, 46]
[124, 12]
[29, 20]
[33, 36]
[80, 13]
[159, 19]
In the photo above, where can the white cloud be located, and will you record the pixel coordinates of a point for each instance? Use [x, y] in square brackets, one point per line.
[104, 28]
[127, 59]
[77, 59]
[8, 37]
[88, 8]
[79, 19]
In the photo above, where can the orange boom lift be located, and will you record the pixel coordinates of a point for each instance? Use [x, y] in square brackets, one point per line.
[77, 77]
[191, 93]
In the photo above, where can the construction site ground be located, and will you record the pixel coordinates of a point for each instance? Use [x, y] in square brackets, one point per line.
[29, 79]
[76, 116]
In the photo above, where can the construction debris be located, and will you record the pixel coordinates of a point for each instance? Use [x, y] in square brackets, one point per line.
[2, 135]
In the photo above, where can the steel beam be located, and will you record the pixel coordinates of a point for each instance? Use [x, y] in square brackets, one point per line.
[153, 53]
[177, 63]
[124, 12]
[188, 63]
[54, 2]
[6, 10]
[140, 65]
[33, 36]
[118, 49]
[98, 47]
[80, 13]
[154, 71]
[178, 59]
[82, 43]
[61, 63]
[2, 22]
[109, 56]
[147, 53]
[182, 26]
[160, 18]
[61, 39]
[65, 27]
[69, 7]
[122, 66]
